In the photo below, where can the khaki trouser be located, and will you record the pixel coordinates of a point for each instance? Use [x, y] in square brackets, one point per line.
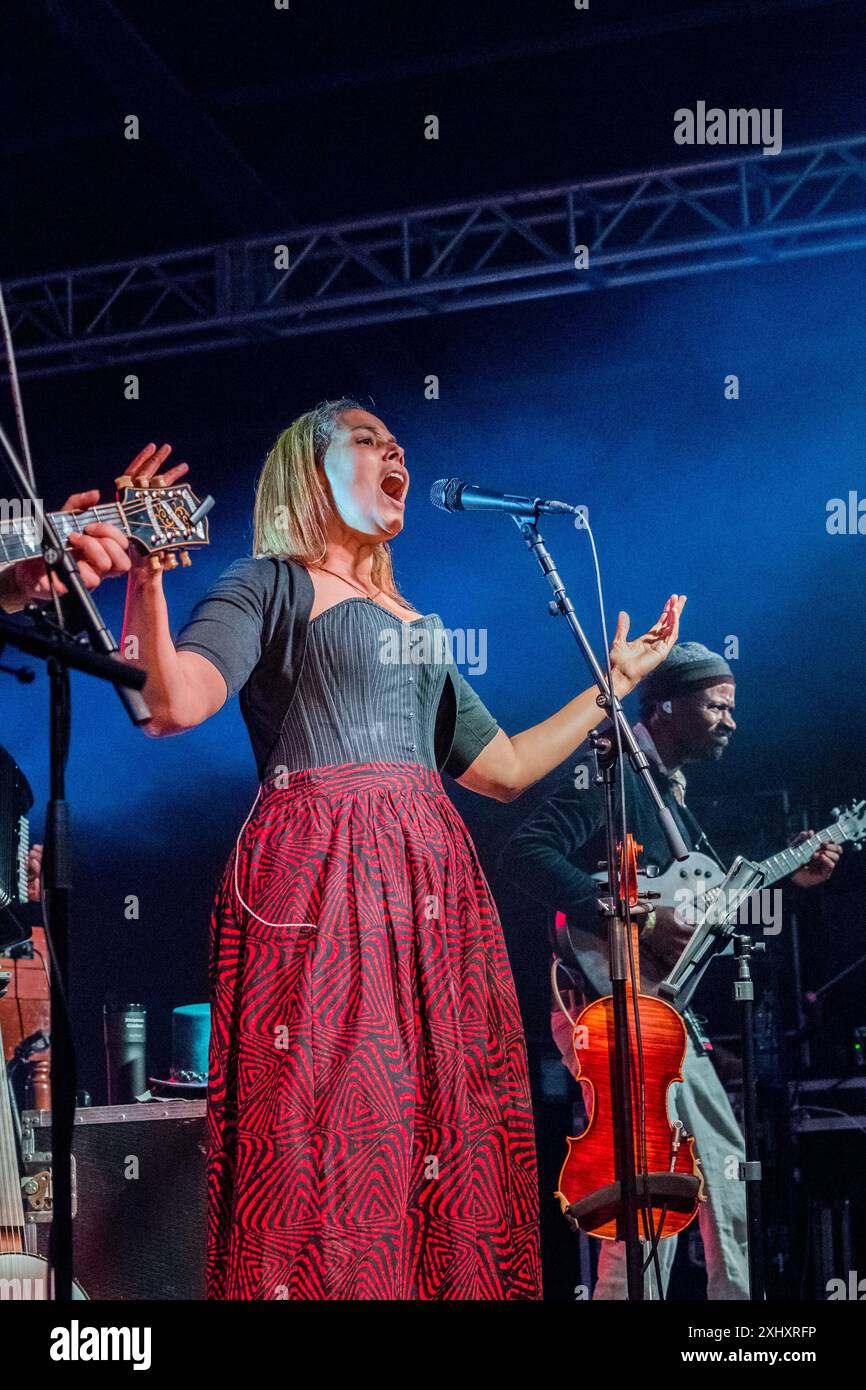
[703, 1106]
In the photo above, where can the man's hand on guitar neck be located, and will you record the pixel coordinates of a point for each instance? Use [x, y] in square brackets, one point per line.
[672, 931]
[820, 866]
[102, 550]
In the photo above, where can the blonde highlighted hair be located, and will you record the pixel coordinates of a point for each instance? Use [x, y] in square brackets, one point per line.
[292, 505]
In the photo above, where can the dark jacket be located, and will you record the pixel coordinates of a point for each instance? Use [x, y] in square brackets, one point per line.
[552, 855]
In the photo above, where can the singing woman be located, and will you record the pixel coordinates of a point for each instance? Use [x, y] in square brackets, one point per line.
[369, 1122]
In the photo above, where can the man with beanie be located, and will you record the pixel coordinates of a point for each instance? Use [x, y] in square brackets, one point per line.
[686, 716]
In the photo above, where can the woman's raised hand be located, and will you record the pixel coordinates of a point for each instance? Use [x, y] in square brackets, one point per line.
[101, 549]
[631, 661]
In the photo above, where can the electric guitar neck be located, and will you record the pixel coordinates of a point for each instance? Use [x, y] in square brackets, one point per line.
[155, 518]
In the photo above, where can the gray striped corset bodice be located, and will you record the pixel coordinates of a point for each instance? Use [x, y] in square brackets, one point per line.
[368, 691]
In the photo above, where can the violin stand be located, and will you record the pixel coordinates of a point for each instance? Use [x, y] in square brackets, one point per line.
[656, 1192]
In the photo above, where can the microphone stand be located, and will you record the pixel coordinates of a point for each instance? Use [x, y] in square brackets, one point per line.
[711, 937]
[616, 910]
[62, 650]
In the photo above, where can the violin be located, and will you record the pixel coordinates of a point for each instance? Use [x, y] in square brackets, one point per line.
[669, 1180]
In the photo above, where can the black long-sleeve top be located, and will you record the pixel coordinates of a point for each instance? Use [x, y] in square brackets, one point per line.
[553, 853]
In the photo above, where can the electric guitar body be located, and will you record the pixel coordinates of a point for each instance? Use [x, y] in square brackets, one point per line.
[689, 889]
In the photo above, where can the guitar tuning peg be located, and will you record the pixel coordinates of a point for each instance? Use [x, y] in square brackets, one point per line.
[184, 559]
[836, 811]
[156, 562]
[124, 481]
[156, 481]
[169, 561]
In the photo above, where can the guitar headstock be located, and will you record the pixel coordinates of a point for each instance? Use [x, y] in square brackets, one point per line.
[162, 520]
[851, 821]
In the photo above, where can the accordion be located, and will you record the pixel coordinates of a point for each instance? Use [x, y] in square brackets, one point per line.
[16, 799]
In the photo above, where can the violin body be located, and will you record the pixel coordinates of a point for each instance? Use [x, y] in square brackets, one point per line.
[587, 1182]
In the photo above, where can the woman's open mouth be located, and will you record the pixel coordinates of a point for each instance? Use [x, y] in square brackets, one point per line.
[394, 485]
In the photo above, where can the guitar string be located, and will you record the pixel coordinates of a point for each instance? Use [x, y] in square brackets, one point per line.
[18, 1257]
[117, 508]
[115, 513]
[11, 1190]
[796, 851]
[60, 519]
[8, 1156]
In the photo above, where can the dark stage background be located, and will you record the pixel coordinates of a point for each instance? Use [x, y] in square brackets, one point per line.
[614, 399]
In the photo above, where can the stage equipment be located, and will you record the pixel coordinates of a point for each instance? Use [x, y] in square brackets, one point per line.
[140, 1192]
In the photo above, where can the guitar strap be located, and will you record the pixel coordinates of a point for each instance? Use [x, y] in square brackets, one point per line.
[699, 836]
[701, 841]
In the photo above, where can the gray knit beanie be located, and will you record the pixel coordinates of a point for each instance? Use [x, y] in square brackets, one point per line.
[689, 666]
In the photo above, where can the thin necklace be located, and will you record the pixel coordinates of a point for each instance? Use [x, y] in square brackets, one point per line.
[348, 581]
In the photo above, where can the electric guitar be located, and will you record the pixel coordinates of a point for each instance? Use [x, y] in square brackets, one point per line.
[689, 888]
[158, 519]
[23, 1277]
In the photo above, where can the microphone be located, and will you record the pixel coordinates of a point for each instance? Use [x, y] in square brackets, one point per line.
[453, 495]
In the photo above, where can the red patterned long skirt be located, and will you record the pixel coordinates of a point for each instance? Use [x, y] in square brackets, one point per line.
[369, 1121]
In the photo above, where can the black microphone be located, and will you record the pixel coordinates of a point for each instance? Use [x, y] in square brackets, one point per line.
[453, 495]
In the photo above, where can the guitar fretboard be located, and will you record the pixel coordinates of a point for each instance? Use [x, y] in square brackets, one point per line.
[19, 538]
[787, 861]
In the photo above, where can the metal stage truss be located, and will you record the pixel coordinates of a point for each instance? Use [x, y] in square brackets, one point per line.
[661, 224]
